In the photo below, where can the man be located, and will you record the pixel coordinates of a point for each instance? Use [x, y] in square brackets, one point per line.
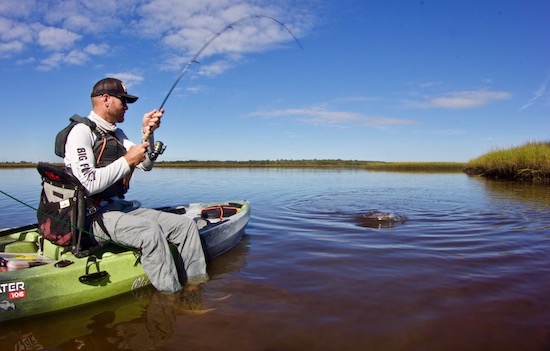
[103, 160]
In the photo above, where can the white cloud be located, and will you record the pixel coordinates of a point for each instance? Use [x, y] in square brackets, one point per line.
[196, 89]
[215, 68]
[462, 99]
[185, 27]
[387, 121]
[129, 78]
[57, 38]
[325, 116]
[12, 30]
[13, 37]
[97, 49]
[541, 92]
[17, 8]
[81, 21]
[357, 99]
[74, 57]
[51, 62]
[9, 48]
[86, 16]
[179, 28]
[26, 61]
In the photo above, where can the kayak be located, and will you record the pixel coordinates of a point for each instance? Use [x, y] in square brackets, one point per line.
[37, 276]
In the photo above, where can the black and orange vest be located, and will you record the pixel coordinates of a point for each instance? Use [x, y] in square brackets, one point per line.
[107, 149]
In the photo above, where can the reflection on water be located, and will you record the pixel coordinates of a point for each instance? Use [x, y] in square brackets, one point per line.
[528, 193]
[142, 320]
[149, 331]
[468, 270]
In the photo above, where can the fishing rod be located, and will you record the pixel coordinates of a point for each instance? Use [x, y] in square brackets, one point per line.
[195, 58]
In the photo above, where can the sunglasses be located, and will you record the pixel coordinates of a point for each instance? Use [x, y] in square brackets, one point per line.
[121, 98]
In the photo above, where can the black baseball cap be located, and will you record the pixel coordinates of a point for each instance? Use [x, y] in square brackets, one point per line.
[114, 87]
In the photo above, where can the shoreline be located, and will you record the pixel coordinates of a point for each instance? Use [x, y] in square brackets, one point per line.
[321, 164]
[472, 169]
[528, 163]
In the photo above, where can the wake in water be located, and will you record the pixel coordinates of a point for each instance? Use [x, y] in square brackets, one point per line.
[326, 208]
[379, 219]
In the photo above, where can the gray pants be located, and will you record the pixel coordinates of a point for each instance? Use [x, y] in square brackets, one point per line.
[151, 231]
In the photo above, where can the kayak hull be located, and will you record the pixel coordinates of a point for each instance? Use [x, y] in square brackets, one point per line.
[60, 280]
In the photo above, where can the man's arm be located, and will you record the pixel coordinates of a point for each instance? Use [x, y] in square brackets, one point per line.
[143, 163]
[150, 122]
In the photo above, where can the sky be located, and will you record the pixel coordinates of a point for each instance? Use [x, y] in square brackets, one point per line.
[373, 80]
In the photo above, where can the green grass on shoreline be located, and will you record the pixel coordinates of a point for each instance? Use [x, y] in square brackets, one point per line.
[334, 164]
[526, 163]
[323, 164]
[529, 162]
[22, 164]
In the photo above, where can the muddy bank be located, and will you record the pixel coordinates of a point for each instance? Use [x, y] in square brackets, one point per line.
[522, 175]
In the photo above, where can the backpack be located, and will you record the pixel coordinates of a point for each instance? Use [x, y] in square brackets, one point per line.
[65, 212]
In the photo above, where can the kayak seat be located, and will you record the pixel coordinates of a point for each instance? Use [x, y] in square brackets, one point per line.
[52, 251]
[21, 247]
[25, 242]
[56, 252]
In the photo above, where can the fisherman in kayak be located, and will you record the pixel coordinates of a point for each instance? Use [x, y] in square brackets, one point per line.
[103, 158]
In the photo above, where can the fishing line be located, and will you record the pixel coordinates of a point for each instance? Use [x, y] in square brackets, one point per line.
[195, 57]
[216, 36]
[21, 202]
[65, 222]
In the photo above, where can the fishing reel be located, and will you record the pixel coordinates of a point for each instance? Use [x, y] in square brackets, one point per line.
[158, 149]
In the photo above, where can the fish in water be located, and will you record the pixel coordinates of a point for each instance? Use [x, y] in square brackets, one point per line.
[379, 219]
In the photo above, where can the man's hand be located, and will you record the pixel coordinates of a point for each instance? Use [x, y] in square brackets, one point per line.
[151, 121]
[136, 154]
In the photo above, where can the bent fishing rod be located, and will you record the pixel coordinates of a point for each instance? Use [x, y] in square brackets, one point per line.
[195, 57]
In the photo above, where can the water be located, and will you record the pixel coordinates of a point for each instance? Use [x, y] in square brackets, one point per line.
[468, 270]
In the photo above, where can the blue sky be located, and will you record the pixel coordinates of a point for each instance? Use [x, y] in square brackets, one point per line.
[425, 80]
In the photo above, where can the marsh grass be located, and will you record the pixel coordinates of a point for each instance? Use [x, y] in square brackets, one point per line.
[21, 164]
[428, 167]
[529, 162]
[435, 167]
[367, 165]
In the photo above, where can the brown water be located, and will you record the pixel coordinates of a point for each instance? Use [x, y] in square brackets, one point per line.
[468, 270]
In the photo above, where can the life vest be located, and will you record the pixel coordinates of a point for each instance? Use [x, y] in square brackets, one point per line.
[107, 149]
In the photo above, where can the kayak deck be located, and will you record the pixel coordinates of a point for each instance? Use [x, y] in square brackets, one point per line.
[38, 277]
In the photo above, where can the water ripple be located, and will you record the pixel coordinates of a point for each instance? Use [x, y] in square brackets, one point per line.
[469, 268]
